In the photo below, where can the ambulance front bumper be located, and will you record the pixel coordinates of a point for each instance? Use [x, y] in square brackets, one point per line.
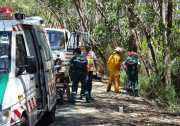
[12, 124]
[6, 121]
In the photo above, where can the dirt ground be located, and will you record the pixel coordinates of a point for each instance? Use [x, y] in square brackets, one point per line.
[110, 109]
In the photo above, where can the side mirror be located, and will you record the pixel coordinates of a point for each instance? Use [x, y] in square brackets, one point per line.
[30, 64]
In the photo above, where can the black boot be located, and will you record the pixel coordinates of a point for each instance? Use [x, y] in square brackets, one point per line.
[136, 93]
[91, 98]
[72, 99]
[82, 95]
[87, 97]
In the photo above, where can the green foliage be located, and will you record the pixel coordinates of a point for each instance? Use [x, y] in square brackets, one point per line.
[168, 94]
[147, 13]
[2, 1]
[123, 78]
[144, 84]
[165, 96]
[144, 44]
[176, 66]
[101, 33]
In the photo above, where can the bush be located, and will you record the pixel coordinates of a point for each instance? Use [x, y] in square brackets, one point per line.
[164, 95]
[168, 95]
[123, 78]
[144, 85]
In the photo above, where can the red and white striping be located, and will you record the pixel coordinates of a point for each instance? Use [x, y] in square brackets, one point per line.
[16, 113]
[17, 28]
[18, 110]
[31, 104]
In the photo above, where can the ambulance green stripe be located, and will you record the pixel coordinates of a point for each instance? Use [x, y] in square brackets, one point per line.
[3, 84]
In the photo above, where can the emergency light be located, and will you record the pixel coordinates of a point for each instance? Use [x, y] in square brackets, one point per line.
[6, 13]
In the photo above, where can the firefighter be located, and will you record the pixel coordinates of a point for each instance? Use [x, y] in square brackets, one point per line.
[131, 65]
[114, 64]
[78, 72]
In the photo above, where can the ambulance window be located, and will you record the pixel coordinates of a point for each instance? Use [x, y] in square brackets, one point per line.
[57, 39]
[30, 40]
[5, 44]
[44, 45]
[20, 51]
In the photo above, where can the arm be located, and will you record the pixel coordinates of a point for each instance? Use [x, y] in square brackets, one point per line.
[124, 64]
[138, 66]
[95, 60]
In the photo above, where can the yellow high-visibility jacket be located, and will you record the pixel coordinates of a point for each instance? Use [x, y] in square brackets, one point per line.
[114, 62]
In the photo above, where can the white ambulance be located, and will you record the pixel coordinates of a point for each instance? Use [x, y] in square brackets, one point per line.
[27, 86]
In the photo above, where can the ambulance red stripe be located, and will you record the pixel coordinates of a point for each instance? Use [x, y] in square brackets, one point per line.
[11, 120]
[34, 101]
[18, 114]
[29, 103]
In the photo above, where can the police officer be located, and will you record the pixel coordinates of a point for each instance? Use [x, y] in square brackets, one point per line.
[78, 72]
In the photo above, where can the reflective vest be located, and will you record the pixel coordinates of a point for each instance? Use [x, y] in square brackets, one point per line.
[90, 59]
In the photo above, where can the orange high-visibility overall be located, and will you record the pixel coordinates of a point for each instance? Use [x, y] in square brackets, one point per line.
[114, 64]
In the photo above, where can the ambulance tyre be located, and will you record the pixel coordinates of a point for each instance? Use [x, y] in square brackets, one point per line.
[24, 119]
[50, 115]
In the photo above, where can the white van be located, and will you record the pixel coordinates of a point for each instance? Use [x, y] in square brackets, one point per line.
[27, 86]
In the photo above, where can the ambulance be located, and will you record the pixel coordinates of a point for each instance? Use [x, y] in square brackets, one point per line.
[27, 86]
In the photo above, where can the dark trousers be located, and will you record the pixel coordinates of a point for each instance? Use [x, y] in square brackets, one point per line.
[88, 86]
[133, 87]
[79, 76]
[89, 82]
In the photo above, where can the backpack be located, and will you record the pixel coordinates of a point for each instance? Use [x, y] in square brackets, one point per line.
[132, 67]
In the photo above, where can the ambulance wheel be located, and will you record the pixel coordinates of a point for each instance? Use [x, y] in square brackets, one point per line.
[50, 115]
[24, 120]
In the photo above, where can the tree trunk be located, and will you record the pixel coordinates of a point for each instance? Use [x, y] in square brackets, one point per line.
[148, 37]
[132, 20]
[169, 42]
[98, 16]
[79, 8]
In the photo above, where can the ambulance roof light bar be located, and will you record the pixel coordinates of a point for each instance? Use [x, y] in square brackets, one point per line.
[6, 13]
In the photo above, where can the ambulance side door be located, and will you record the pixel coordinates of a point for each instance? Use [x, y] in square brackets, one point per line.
[34, 48]
[39, 75]
[41, 58]
[48, 68]
[27, 79]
